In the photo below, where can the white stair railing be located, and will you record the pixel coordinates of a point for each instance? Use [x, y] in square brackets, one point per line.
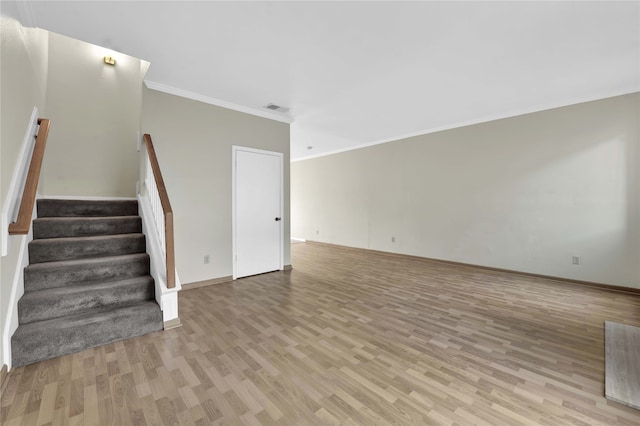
[156, 205]
[161, 207]
[157, 223]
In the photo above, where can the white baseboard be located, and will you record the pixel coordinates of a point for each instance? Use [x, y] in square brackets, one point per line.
[298, 240]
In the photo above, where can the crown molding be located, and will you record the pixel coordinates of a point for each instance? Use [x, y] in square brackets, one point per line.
[217, 102]
[486, 119]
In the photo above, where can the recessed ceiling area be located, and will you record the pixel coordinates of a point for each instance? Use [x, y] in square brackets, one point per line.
[359, 73]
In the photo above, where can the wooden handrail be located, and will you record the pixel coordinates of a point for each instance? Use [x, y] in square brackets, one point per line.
[166, 208]
[23, 223]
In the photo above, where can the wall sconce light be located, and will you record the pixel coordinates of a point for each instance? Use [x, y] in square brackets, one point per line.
[109, 60]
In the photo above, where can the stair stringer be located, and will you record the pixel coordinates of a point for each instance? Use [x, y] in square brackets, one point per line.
[167, 298]
[17, 291]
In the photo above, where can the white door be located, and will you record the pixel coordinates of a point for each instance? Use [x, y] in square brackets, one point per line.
[257, 211]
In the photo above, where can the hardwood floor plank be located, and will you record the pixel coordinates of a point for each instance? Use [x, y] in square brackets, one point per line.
[622, 346]
[46, 409]
[349, 338]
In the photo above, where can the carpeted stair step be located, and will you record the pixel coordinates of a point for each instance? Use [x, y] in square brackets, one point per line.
[49, 339]
[57, 227]
[88, 281]
[66, 208]
[41, 276]
[54, 249]
[71, 300]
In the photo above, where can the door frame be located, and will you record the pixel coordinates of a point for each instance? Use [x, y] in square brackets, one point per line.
[234, 159]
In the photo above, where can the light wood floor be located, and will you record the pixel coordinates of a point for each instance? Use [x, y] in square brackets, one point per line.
[348, 338]
[622, 363]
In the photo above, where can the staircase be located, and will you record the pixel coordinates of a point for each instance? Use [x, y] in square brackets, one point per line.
[87, 282]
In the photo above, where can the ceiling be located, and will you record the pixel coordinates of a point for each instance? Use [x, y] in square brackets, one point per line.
[360, 73]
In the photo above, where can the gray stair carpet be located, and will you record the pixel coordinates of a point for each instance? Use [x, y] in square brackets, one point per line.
[87, 282]
[55, 227]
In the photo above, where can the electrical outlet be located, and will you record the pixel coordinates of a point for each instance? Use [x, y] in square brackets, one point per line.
[207, 259]
[317, 232]
[393, 239]
[576, 260]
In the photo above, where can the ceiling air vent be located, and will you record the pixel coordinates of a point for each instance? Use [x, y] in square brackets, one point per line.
[274, 107]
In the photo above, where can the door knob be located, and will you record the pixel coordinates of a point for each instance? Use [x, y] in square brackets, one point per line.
[278, 219]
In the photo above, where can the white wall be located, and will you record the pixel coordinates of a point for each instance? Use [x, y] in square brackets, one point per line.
[95, 117]
[23, 63]
[193, 142]
[24, 82]
[524, 193]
